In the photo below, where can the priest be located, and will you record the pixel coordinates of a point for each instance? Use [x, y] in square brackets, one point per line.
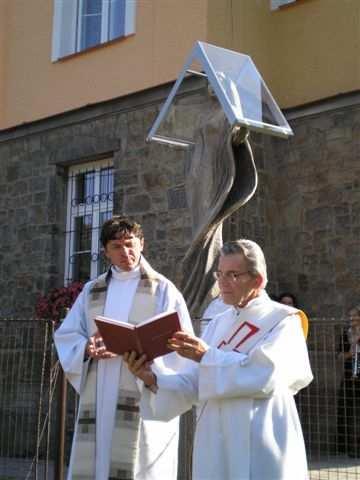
[110, 438]
[242, 375]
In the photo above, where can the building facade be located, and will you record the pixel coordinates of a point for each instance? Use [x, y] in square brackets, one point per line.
[79, 90]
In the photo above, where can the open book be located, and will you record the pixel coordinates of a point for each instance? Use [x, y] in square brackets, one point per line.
[149, 337]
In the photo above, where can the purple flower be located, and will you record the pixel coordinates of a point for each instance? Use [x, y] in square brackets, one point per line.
[54, 305]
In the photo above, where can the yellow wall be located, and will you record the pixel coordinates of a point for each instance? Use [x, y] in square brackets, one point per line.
[305, 52]
[37, 88]
[2, 59]
[323, 54]
[242, 26]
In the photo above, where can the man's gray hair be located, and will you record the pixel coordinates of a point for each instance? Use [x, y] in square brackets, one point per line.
[253, 254]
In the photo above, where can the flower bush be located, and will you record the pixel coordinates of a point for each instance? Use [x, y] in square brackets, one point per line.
[55, 304]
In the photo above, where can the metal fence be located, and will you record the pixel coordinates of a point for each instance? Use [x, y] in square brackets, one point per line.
[328, 408]
[30, 402]
[26, 393]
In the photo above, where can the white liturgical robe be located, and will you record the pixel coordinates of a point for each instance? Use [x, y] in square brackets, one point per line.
[158, 442]
[247, 424]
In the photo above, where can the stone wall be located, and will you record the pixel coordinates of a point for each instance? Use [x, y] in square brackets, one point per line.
[316, 193]
[149, 185]
[305, 213]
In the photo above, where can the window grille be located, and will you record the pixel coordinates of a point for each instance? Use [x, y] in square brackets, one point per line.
[90, 204]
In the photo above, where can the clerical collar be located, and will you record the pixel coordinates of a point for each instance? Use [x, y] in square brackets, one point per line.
[121, 274]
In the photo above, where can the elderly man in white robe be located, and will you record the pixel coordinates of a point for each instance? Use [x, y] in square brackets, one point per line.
[110, 439]
[242, 375]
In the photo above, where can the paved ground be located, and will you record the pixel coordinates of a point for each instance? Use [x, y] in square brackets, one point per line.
[337, 468]
[23, 469]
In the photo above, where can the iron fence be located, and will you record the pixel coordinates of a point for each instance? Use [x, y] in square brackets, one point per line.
[30, 402]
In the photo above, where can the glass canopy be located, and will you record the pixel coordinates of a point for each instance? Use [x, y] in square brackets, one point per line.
[239, 91]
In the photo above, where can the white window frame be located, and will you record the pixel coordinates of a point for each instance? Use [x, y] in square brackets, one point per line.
[104, 24]
[81, 210]
[276, 4]
[66, 39]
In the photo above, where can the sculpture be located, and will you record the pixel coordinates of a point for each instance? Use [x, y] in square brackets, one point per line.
[222, 178]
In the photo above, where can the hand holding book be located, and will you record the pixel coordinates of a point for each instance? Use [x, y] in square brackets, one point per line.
[188, 346]
[184, 344]
[149, 337]
[141, 368]
[95, 348]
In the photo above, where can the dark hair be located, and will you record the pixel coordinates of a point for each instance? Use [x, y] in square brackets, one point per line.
[290, 295]
[119, 226]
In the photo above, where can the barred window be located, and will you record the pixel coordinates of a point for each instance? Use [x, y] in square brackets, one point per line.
[89, 205]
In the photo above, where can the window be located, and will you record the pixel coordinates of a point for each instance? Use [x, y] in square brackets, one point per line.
[82, 24]
[275, 4]
[90, 203]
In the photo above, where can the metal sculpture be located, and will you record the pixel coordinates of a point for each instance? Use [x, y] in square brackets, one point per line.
[221, 179]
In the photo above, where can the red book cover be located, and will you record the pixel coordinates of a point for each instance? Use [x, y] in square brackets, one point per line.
[149, 337]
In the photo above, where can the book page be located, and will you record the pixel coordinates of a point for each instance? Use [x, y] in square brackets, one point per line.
[113, 321]
[156, 317]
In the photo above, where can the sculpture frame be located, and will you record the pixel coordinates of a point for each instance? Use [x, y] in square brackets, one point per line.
[235, 116]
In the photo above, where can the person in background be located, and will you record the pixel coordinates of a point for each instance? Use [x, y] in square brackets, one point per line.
[110, 439]
[242, 375]
[288, 298]
[348, 410]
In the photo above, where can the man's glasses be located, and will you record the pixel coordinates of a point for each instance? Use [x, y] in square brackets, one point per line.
[230, 276]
